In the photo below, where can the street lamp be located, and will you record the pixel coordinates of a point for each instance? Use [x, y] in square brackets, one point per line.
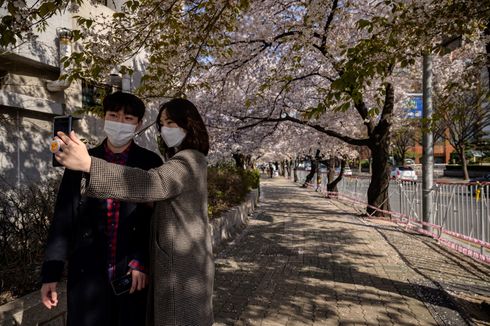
[427, 141]
[449, 45]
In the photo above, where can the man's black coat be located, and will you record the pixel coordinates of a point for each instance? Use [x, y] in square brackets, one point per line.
[78, 235]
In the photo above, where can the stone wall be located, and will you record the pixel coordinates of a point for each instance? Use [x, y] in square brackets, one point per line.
[225, 227]
[29, 311]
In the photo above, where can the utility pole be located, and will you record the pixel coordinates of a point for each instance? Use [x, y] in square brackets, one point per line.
[427, 142]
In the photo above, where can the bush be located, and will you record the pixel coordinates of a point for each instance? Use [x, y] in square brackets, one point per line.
[251, 178]
[228, 187]
[25, 214]
[365, 164]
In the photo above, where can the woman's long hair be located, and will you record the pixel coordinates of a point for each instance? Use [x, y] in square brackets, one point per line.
[186, 116]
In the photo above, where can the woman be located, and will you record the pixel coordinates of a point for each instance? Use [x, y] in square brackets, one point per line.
[181, 266]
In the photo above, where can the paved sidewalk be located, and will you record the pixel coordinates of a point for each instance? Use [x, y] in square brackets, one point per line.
[307, 260]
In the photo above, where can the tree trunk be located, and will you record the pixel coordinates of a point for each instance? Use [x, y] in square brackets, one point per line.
[465, 169]
[310, 175]
[283, 169]
[378, 188]
[331, 169]
[487, 47]
[249, 163]
[332, 186]
[295, 170]
[239, 160]
[464, 163]
[318, 176]
[379, 145]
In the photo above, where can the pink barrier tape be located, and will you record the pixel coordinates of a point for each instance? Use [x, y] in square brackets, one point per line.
[403, 219]
[409, 219]
[473, 183]
[465, 251]
[467, 238]
[435, 226]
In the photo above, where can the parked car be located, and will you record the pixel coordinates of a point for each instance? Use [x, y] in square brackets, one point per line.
[347, 170]
[409, 161]
[403, 173]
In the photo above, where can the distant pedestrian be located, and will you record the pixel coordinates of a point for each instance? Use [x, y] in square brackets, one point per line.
[262, 168]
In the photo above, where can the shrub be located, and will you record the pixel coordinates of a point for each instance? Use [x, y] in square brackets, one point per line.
[228, 186]
[251, 178]
[25, 214]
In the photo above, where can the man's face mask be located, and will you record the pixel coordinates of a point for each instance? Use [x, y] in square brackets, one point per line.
[172, 136]
[119, 134]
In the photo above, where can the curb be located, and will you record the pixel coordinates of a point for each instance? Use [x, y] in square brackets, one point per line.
[28, 310]
[225, 227]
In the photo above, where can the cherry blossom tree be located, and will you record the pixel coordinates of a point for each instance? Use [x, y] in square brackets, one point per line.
[319, 63]
[462, 98]
[303, 76]
[333, 66]
[339, 57]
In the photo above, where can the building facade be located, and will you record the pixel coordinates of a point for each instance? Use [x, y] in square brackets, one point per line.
[30, 96]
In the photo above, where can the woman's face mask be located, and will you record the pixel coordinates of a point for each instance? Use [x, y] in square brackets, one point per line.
[118, 133]
[172, 136]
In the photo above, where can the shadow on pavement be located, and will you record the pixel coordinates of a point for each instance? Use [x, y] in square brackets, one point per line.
[298, 264]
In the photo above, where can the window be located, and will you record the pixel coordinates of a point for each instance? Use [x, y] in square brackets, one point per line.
[92, 96]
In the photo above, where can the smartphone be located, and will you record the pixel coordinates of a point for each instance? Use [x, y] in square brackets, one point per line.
[62, 123]
[122, 285]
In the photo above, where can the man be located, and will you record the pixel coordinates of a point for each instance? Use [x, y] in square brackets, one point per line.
[102, 240]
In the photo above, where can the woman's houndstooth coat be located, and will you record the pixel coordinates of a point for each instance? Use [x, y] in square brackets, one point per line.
[181, 261]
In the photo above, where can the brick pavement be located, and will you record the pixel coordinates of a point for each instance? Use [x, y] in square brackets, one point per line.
[307, 260]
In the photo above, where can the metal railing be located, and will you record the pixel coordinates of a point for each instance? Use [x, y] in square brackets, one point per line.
[461, 210]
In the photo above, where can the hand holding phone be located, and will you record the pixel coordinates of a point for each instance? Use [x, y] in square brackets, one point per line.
[64, 124]
[122, 285]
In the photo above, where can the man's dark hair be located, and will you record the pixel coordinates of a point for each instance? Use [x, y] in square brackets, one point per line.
[186, 116]
[129, 103]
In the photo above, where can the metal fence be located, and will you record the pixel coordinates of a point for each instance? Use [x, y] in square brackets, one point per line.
[461, 210]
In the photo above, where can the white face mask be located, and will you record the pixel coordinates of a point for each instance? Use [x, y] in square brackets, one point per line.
[172, 136]
[119, 134]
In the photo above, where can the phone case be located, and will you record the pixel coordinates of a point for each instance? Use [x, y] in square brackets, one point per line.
[122, 285]
[64, 124]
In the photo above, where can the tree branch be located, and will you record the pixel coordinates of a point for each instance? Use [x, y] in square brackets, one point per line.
[207, 29]
[332, 133]
[327, 25]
